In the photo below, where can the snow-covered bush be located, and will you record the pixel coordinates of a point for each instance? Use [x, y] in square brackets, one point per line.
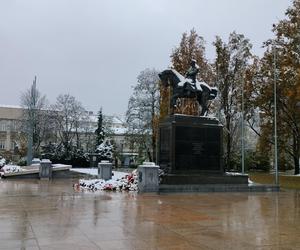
[57, 153]
[2, 161]
[105, 150]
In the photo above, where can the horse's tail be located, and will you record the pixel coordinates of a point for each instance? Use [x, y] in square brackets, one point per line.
[213, 93]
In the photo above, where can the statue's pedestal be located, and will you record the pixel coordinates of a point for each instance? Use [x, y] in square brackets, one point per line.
[191, 151]
[190, 144]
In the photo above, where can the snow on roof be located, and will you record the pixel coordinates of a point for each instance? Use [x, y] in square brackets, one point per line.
[119, 131]
[114, 119]
[116, 123]
[10, 106]
[117, 120]
[94, 118]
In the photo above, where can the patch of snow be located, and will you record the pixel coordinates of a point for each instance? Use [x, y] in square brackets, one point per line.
[2, 162]
[35, 161]
[119, 131]
[148, 163]
[198, 86]
[10, 106]
[94, 171]
[179, 76]
[120, 182]
[90, 171]
[11, 169]
[46, 161]
[234, 173]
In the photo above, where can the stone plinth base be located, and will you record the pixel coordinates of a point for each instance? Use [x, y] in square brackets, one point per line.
[148, 180]
[104, 170]
[45, 169]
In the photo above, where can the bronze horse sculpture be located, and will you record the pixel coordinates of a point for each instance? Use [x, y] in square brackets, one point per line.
[186, 88]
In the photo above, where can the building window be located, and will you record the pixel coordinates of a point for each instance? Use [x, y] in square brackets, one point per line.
[2, 125]
[2, 144]
[14, 125]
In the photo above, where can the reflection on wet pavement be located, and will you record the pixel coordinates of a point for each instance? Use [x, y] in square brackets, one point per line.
[51, 215]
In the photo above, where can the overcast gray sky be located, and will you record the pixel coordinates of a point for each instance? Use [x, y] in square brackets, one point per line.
[94, 49]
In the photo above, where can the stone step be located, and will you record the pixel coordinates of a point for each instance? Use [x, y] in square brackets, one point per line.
[203, 179]
[164, 188]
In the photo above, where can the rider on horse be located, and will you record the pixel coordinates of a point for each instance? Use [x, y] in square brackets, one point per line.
[185, 87]
[192, 72]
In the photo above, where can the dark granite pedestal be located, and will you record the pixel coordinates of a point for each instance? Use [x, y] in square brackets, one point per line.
[190, 152]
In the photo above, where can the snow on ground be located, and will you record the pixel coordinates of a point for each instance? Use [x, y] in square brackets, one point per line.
[11, 169]
[94, 171]
[90, 171]
[2, 162]
[120, 181]
[235, 173]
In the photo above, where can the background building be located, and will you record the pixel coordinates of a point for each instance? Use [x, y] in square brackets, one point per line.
[10, 117]
[11, 135]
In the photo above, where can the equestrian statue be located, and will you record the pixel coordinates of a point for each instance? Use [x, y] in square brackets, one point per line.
[188, 87]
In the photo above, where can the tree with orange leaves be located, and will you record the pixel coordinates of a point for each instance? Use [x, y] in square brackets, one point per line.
[281, 65]
[191, 47]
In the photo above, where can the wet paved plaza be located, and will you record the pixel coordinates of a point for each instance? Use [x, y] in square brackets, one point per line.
[51, 215]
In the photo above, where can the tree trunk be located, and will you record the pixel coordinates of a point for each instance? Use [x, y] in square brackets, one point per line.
[149, 155]
[296, 164]
[154, 128]
[154, 147]
[228, 144]
[296, 153]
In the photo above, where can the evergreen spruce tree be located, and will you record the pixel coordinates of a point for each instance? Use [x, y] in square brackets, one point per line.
[100, 135]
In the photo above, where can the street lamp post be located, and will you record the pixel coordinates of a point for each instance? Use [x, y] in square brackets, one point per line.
[298, 107]
[31, 121]
[243, 132]
[275, 119]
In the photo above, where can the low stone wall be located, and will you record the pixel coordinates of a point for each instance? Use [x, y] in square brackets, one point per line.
[32, 172]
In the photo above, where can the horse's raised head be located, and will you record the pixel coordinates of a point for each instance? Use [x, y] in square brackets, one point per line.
[163, 76]
[169, 76]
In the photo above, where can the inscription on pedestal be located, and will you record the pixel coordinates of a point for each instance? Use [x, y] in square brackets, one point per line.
[197, 148]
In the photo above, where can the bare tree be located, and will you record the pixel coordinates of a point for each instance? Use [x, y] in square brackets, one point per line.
[232, 59]
[143, 111]
[35, 119]
[68, 114]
